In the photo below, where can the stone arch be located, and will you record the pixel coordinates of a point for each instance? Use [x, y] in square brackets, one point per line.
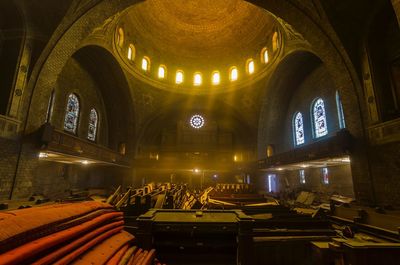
[316, 29]
[114, 90]
[291, 71]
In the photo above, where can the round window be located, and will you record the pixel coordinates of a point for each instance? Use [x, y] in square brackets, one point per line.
[197, 121]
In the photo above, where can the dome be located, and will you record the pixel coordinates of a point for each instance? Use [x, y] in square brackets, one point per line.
[197, 37]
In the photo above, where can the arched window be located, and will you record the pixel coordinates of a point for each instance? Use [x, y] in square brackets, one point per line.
[215, 78]
[342, 123]
[179, 77]
[302, 176]
[250, 66]
[275, 42]
[298, 129]
[162, 71]
[145, 64]
[264, 55]
[233, 73]
[325, 175]
[50, 106]
[71, 114]
[197, 79]
[120, 37]
[93, 120]
[319, 117]
[131, 52]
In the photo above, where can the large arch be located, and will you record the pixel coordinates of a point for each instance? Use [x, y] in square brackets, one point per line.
[306, 18]
[290, 72]
[114, 89]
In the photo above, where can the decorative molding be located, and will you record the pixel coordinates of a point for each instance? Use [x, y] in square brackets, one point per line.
[291, 33]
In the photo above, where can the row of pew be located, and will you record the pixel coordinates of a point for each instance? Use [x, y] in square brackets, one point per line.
[87, 232]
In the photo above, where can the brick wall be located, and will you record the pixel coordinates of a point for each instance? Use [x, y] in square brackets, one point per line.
[75, 79]
[317, 84]
[55, 180]
[8, 157]
[385, 169]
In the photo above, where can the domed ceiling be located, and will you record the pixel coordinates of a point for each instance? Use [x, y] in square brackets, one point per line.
[198, 36]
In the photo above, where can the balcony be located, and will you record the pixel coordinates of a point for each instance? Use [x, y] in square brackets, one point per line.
[335, 146]
[59, 146]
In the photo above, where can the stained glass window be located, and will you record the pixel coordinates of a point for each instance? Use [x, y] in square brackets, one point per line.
[298, 129]
[342, 123]
[71, 114]
[196, 121]
[320, 126]
[93, 120]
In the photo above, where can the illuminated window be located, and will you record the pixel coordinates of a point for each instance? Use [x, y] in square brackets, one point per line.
[325, 175]
[298, 129]
[233, 74]
[215, 78]
[161, 72]
[272, 183]
[319, 115]
[342, 123]
[146, 64]
[250, 66]
[197, 79]
[179, 77]
[196, 121]
[131, 52]
[93, 120]
[120, 37]
[275, 42]
[302, 176]
[71, 114]
[264, 55]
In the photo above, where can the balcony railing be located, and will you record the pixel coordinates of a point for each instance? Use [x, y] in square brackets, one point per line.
[65, 143]
[337, 145]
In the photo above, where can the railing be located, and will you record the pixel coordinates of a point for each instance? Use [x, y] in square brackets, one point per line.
[385, 132]
[337, 145]
[65, 143]
[9, 127]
